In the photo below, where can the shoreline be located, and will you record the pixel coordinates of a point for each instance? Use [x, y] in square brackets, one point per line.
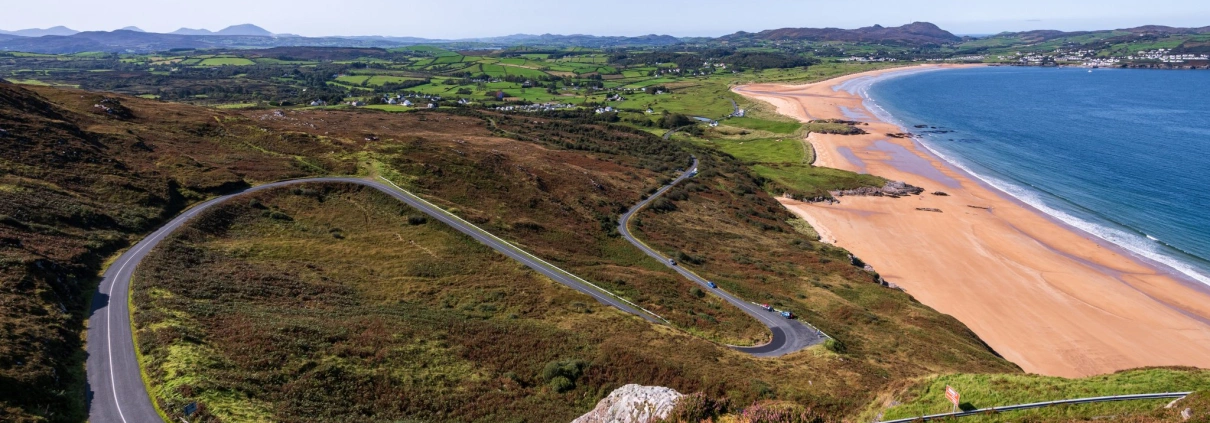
[1192, 281]
[1166, 269]
[1046, 295]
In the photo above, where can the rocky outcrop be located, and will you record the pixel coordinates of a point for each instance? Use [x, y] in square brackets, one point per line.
[633, 404]
[891, 189]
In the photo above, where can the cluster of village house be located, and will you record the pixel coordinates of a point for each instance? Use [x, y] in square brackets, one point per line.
[1166, 56]
[1089, 57]
[429, 101]
[867, 59]
[536, 107]
[968, 58]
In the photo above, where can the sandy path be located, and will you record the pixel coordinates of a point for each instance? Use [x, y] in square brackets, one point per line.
[1042, 294]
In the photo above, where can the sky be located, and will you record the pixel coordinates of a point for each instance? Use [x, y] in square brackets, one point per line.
[482, 18]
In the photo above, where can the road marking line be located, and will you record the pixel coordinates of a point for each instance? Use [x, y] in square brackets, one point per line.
[109, 322]
[109, 307]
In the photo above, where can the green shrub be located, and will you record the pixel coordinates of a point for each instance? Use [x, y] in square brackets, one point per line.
[662, 205]
[834, 346]
[561, 375]
[561, 384]
[276, 215]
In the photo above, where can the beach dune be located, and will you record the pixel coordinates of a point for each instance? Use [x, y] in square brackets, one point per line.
[1052, 299]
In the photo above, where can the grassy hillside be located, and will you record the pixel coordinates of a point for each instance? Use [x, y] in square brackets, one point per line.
[84, 174]
[80, 175]
[264, 308]
[552, 185]
[927, 395]
[328, 301]
[334, 303]
[555, 186]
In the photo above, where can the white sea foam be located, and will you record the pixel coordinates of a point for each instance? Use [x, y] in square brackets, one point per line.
[1145, 246]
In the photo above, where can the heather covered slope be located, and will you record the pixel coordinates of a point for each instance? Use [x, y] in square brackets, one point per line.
[276, 305]
[84, 174]
[76, 181]
[322, 302]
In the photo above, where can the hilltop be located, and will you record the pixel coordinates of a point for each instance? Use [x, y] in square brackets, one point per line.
[915, 33]
[234, 30]
[35, 32]
[1154, 30]
[1118, 41]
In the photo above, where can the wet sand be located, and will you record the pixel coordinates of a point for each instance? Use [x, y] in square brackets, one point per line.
[1046, 296]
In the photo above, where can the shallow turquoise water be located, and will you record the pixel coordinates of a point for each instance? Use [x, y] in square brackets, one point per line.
[1121, 154]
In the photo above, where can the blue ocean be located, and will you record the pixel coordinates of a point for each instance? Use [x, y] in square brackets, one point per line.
[1122, 154]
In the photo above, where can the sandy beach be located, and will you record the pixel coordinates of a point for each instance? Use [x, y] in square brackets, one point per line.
[1046, 296]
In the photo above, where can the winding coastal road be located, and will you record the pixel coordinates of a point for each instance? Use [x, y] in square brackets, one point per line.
[115, 391]
[788, 335]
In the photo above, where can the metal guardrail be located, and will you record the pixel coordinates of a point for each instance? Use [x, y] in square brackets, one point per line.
[1042, 404]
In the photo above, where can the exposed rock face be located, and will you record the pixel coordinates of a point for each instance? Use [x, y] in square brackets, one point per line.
[891, 189]
[633, 404]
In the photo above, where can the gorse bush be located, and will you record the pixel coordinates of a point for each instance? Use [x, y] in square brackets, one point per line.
[834, 346]
[663, 205]
[561, 375]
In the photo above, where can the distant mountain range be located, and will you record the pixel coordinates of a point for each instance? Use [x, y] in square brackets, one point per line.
[914, 33]
[60, 40]
[234, 30]
[35, 32]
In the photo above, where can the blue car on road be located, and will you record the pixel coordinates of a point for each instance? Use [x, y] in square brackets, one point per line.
[712, 285]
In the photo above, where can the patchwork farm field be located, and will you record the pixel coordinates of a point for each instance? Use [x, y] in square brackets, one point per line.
[226, 61]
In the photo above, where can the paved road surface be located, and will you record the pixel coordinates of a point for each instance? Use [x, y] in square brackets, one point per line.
[116, 393]
[788, 335]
